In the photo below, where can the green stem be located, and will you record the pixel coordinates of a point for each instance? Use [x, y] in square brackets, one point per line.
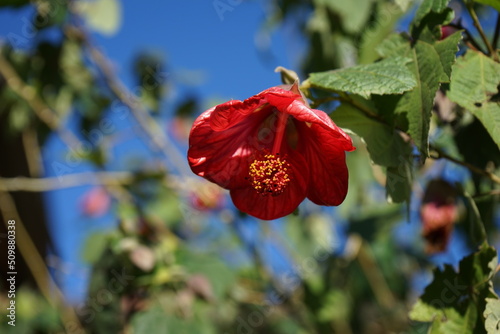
[472, 168]
[477, 24]
[497, 33]
[478, 222]
[468, 36]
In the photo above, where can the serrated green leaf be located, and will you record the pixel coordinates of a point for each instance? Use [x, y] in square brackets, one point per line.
[493, 3]
[431, 15]
[447, 50]
[430, 65]
[454, 301]
[389, 76]
[492, 316]
[392, 45]
[383, 143]
[474, 85]
[428, 6]
[399, 181]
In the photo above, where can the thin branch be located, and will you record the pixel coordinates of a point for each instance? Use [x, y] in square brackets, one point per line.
[106, 179]
[494, 192]
[440, 153]
[364, 255]
[41, 110]
[469, 39]
[497, 33]
[46, 115]
[35, 262]
[66, 181]
[32, 152]
[472, 168]
[148, 124]
[477, 24]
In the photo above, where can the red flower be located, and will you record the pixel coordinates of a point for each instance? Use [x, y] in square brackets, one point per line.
[95, 202]
[439, 212]
[271, 151]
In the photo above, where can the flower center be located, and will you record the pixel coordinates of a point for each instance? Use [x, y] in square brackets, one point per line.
[269, 176]
[269, 173]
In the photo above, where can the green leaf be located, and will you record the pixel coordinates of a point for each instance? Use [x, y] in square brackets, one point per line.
[383, 143]
[447, 50]
[475, 87]
[399, 181]
[393, 45]
[454, 301]
[492, 316]
[473, 224]
[431, 15]
[427, 7]
[389, 76]
[431, 65]
[493, 3]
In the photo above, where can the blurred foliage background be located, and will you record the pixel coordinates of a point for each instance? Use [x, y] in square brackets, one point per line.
[421, 210]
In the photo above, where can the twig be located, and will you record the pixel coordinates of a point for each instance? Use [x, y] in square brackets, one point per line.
[45, 114]
[497, 33]
[469, 166]
[41, 110]
[146, 122]
[32, 152]
[469, 38]
[67, 181]
[494, 192]
[375, 278]
[107, 179]
[477, 24]
[35, 262]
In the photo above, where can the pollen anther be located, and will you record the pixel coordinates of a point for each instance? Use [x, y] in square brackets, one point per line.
[269, 176]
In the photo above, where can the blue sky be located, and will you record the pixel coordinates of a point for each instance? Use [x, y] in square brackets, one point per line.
[193, 37]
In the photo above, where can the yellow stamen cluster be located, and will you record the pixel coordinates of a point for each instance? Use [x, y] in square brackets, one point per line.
[269, 176]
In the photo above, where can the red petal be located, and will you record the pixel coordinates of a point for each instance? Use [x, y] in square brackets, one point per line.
[304, 114]
[232, 112]
[219, 156]
[292, 104]
[273, 207]
[324, 152]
